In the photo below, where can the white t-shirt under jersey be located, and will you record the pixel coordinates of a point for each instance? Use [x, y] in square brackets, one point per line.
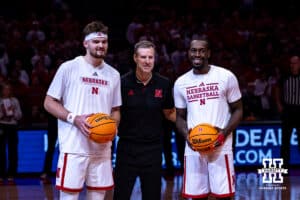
[206, 98]
[84, 89]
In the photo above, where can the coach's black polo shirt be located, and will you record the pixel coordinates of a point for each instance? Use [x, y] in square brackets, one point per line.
[142, 108]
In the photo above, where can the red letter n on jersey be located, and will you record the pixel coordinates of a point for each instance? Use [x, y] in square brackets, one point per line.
[95, 90]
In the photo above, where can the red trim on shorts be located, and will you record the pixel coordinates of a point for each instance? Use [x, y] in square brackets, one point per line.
[222, 195]
[106, 187]
[228, 174]
[64, 170]
[100, 188]
[68, 189]
[184, 177]
[194, 196]
[230, 194]
[63, 174]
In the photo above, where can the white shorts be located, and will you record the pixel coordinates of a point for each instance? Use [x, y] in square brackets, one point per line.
[204, 175]
[74, 170]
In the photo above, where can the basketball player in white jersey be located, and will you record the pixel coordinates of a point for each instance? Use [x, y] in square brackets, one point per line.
[80, 87]
[208, 94]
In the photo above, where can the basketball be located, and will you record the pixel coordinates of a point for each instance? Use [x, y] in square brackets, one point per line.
[103, 127]
[202, 137]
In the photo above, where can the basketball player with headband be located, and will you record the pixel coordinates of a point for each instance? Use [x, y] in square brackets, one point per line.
[83, 86]
[208, 94]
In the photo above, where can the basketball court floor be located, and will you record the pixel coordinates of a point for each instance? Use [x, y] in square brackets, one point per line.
[249, 186]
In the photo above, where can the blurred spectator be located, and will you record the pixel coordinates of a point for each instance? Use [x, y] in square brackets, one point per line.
[288, 104]
[166, 68]
[51, 138]
[20, 92]
[19, 69]
[69, 26]
[178, 55]
[4, 60]
[36, 95]
[132, 30]
[260, 91]
[35, 33]
[147, 33]
[10, 114]
[41, 73]
[42, 56]
[17, 48]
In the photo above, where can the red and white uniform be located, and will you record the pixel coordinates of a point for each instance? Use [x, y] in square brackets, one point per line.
[84, 89]
[206, 98]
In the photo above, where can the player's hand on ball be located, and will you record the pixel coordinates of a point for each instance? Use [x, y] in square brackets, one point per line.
[188, 140]
[81, 123]
[220, 139]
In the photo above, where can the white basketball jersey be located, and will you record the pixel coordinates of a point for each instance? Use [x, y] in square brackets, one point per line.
[84, 89]
[206, 98]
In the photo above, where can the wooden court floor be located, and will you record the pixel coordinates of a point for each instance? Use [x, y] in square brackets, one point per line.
[248, 187]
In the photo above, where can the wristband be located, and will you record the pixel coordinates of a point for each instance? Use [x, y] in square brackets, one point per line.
[221, 138]
[70, 118]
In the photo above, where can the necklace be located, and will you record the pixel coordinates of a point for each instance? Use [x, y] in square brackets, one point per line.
[145, 81]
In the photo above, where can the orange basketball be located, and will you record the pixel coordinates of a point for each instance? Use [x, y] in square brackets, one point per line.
[202, 137]
[103, 129]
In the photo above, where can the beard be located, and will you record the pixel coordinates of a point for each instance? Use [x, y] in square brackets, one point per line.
[199, 63]
[95, 54]
[198, 66]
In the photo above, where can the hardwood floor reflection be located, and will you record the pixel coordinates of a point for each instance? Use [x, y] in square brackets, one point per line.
[248, 187]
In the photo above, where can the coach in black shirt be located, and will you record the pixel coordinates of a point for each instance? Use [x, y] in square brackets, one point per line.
[288, 103]
[146, 99]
